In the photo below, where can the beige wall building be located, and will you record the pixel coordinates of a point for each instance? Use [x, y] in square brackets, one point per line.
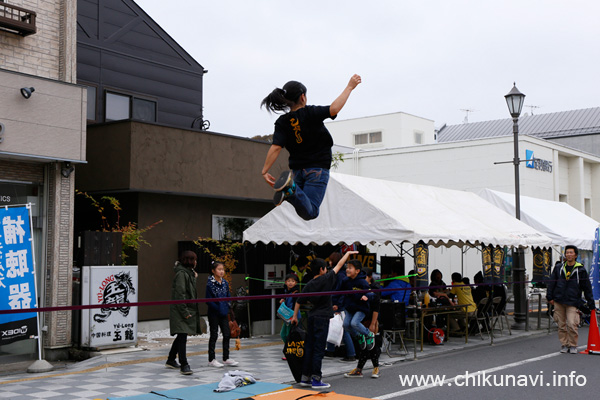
[42, 138]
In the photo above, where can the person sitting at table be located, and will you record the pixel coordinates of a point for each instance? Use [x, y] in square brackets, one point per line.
[464, 296]
[480, 291]
[402, 284]
[412, 280]
[440, 293]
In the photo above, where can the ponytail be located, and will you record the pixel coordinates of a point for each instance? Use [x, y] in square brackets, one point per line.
[283, 99]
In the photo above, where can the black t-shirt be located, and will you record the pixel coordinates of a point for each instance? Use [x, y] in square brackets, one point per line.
[303, 134]
[321, 304]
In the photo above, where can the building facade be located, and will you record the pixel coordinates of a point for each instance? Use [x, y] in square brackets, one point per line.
[42, 119]
[382, 131]
[149, 147]
[553, 172]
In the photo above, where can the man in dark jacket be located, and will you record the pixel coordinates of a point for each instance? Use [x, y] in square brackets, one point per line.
[184, 318]
[566, 283]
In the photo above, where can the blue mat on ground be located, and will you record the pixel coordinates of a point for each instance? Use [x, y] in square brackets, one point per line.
[202, 392]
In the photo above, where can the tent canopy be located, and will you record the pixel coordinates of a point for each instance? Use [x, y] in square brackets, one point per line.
[372, 211]
[559, 221]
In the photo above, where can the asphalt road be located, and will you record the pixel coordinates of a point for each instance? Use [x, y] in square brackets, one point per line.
[525, 368]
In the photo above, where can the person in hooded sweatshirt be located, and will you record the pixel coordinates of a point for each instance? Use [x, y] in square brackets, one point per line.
[403, 285]
[217, 287]
[357, 305]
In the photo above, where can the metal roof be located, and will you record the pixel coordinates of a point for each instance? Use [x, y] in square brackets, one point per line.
[552, 125]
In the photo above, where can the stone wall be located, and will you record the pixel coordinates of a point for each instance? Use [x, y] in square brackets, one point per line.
[49, 53]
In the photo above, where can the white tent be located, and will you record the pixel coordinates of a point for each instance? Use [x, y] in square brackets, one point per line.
[559, 221]
[365, 210]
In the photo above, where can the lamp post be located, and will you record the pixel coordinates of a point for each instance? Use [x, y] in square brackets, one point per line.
[514, 100]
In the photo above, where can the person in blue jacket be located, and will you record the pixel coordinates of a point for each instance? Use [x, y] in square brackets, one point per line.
[357, 305]
[217, 287]
[291, 286]
[403, 284]
[338, 307]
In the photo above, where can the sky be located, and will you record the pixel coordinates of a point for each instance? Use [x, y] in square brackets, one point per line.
[432, 59]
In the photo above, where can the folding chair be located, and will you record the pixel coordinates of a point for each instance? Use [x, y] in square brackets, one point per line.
[499, 313]
[482, 316]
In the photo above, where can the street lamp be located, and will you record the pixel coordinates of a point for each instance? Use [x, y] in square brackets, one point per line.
[514, 100]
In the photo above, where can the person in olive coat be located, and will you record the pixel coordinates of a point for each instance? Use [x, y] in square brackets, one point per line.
[184, 318]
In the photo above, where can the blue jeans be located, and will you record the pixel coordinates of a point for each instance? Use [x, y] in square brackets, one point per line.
[314, 346]
[347, 339]
[311, 184]
[352, 323]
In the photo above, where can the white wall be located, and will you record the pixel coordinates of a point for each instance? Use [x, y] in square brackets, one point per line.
[460, 166]
[398, 130]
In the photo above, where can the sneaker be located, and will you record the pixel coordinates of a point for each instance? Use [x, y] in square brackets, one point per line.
[355, 373]
[172, 364]
[186, 370]
[284, 359]
[230, 363]
[375, 373]
[305, 383]
[370, 341]
[362, 342]
[285, 180]
[319, 384]
[329, 354]
[573, 350]
[348, 359]
[278, 198]
[215, 364]
[564, 349]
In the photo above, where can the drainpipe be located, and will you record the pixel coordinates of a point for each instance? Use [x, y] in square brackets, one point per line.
[355, 158]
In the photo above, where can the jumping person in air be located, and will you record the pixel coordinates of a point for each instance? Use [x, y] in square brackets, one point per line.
[302, 132]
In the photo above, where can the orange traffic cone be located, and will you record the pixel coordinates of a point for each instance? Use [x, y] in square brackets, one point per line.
[593, 336]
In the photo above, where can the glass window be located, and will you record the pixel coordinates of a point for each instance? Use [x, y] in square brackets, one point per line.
[117, 107]
[91, 103]
[419, 137]
[375, 137]
[144, 110]
[362, 138]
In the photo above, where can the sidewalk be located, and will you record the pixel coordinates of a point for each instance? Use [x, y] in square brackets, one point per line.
[134, 371]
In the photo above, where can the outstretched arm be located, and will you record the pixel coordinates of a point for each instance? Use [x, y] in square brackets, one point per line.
[272, 155]
[341, 263]
[338, 103]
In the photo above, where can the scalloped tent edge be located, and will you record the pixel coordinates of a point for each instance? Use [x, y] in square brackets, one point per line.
[373, 211]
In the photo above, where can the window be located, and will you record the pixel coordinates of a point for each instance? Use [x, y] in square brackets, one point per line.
[375, 137]
[367, 138]
[362, 138]
[120, 106]
[588, 207]
[226, 227]
[563, 198]
[91, 103]
[144, 110]
[117, 107]
[418, 137]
